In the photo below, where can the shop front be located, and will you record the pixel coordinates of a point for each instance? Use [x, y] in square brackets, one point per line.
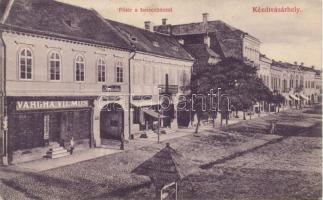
[35, 124]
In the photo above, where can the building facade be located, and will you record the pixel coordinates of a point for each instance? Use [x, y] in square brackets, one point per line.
[81, 77]
[54, 80]
[160, 63]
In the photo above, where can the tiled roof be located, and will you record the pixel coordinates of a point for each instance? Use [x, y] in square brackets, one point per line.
[229, 39]
[151, 42]
[287, 65]
[201, 51]
[62, 20]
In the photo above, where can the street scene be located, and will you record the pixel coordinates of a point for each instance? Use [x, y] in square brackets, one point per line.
[148, 100]
[241, 161]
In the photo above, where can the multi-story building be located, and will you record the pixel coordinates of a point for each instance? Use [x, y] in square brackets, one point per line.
[65, 74]
[159, 62]
[215, 39]
[264, 70]
[295, 82]
[318, 86]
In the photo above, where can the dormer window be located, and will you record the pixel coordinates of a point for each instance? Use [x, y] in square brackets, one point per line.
[71, 23]
[175, 48]
[134, 39]
[68, 22]
[156, 44]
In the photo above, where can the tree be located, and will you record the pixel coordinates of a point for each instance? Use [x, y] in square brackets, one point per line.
[235, 78]
[277, 99]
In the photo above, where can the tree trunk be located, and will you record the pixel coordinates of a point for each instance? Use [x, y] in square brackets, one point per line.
[221, 119]
[275, 107]
[157, 194]
[237, 114]
[244, 115]
[198, 123]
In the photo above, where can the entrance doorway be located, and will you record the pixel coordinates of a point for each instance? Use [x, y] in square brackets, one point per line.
[111, 122]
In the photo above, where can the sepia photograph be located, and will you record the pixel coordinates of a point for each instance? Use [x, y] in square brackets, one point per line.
[163, 100]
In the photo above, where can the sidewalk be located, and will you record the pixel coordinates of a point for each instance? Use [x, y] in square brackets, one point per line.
[46, 164]
[137, 143]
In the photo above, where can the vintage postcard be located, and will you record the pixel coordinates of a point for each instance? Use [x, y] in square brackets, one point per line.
[172, 99]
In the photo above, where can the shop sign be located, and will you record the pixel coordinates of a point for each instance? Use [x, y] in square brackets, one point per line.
[111, 88]
[39, 105]
[111, 98]
[145, 97]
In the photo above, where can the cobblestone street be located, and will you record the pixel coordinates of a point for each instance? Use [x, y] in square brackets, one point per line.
[225, 163]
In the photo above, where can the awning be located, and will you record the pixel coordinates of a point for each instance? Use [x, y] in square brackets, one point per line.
[141, 103]
[153, 113]
[287, 97]
[304, 97]
[294, 97]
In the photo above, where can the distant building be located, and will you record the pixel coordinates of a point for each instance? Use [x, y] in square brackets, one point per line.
[215, 39]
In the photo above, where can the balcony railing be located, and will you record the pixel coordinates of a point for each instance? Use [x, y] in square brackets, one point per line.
[173, 89]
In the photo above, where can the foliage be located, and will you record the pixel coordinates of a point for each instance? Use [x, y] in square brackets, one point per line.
[235, 78]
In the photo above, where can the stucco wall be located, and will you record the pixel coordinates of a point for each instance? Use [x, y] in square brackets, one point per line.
[40, 83]
[250, 49]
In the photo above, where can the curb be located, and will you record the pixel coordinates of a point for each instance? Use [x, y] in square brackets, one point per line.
[240, 153]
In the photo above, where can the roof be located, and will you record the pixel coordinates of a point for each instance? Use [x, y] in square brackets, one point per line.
[49, 17]
[201, 51]
[165, 166]
[287, 65]
[229, 39]
[146, 41]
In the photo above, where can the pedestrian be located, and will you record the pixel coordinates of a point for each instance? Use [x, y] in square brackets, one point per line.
[71, 145]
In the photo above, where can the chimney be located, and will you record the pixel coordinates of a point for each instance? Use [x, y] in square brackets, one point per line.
[207, 41]
[205, 17]
[312, 67]
[148, 26]
[181, 41]
[164, 21]
[295, 63]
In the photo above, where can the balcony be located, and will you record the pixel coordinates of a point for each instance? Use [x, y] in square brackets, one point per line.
[173, 89]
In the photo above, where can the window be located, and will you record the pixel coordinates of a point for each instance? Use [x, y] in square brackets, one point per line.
[119, 71]
[25, 64]
[54, 66]
[79, 68]
[156, 44]
[101, 67]
[134, 39]
[291, 81]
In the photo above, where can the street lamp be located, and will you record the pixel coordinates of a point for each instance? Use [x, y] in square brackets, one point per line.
[219, 98]
[158, 128]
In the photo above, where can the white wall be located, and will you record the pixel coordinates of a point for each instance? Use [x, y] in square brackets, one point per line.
[41, 85]
[250, 49]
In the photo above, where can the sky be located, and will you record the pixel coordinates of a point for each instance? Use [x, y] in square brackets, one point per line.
[285, 36]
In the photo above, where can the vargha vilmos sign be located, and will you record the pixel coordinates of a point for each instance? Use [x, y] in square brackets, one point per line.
[35, 105]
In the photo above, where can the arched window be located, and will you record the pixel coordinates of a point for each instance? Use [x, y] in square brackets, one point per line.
[302, 81]
[25, 64]
[54, 66]
[101, 67]
[119, 71]
[79, 68]
[291, 81]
